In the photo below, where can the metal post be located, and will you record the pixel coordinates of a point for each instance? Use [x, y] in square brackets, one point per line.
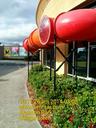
[73, 61]
[88, 59]
[50, 64]
[76, 64]
[28, 63]
[54, 62]
[41, 56]
[32, 60]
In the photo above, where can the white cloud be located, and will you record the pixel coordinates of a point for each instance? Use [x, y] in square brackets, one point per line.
[17, 19]
[16, 31]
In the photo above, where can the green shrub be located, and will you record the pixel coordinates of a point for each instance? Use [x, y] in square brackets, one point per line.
[37, 68]
[77, 99]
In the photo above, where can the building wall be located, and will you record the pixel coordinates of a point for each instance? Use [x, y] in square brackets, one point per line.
[40, 9]
[52, 8]
[1, 52]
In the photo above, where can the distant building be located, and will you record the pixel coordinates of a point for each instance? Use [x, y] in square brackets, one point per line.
[12, 51]
[1, 52]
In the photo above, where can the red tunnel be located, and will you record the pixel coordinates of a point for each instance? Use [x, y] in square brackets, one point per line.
[33, 39]
[27, 47]
[46, 31]
[76, 25]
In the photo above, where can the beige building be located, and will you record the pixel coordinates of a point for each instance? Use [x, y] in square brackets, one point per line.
[85, 61]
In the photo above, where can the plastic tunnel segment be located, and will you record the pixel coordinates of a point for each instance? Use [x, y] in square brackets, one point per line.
[76, 25]
[27, 47]
[34, 39]
[46, 31]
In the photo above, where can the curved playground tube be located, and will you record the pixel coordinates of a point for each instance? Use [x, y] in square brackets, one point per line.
[76, 25]
[33, 39]
[27, 47]
[46, 31]
[34, 43]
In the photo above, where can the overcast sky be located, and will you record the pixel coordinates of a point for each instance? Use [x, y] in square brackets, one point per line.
[17, 19]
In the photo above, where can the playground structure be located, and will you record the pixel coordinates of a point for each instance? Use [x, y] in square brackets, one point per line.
[68, 27]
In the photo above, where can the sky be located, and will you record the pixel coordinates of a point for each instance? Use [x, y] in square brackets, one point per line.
[17, 19]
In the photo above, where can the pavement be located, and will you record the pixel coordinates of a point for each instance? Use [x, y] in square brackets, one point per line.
[17, 62]
[12, 91]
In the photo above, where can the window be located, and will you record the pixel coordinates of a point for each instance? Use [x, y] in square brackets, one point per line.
[85, 61]
[70, 58]
[47, 54]
[81, 59]
[92, 64]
